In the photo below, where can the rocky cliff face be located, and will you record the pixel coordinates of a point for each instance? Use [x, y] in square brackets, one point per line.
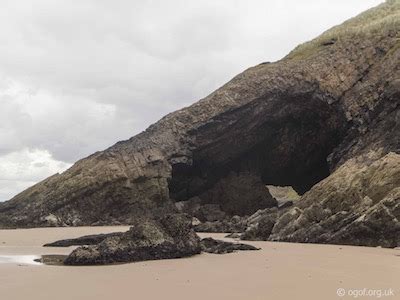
[359, 204]
[295, 122]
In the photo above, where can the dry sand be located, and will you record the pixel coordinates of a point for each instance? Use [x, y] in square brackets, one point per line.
[278, 271]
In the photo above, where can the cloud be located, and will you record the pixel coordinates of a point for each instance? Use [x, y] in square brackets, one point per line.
[23, 168]
[78, 76]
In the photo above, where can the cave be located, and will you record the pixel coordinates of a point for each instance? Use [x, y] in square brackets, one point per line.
[278, 141]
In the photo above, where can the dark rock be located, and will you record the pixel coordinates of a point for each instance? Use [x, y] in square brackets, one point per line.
[285, 204]
[329, 42]
[190, 206]
[203, 212]
[234, 224]
[210, 245]
[260, 225]
[260, 232]
[362, 210]
[170, 237]
[234, 235]
[84, 240]
[209, 213]
[238, 193]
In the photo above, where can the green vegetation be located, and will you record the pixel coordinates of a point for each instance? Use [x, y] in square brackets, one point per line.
[383, 18]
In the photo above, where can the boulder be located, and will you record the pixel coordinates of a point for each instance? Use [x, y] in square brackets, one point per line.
[260, 224]
[169, 237]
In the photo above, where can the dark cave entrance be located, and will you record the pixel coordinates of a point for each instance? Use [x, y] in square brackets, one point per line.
[275, 142]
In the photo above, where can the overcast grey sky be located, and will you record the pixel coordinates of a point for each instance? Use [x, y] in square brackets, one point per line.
[77, 76]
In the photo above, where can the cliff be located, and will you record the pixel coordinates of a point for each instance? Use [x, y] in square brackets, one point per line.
[331, 103]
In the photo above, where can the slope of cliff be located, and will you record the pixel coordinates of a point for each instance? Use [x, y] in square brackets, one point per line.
[293, 122]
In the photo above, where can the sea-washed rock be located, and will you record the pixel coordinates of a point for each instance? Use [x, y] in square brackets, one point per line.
[83, 240]
[170, 237]
[362, 210]
[234, 224]
[233, 235]
[52, 259]
[210, 245]
[260, 224]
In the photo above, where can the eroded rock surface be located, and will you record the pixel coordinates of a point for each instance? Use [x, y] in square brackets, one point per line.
[260, 225]
[234, 224]
[211, 245]
[83, 240]
[363, 209]
[170, 237]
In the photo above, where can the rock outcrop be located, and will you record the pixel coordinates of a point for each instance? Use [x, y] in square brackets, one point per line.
[359, 204]
[210, 245]
[332, 104]
[234, 224]
[170, 237]
[92, 239]
[260, 224]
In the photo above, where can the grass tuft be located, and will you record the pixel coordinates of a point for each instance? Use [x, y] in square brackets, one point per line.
[383, 18]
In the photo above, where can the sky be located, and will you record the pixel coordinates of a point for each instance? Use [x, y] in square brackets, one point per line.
[78, 76]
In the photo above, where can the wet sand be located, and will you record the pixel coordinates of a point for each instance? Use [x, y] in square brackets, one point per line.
[278, 271]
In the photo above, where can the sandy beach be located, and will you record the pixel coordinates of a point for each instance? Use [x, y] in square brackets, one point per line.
[278, 271]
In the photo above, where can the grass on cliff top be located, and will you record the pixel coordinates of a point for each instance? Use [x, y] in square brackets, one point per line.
[381, 18]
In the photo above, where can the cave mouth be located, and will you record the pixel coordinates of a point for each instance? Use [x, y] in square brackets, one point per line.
[268, 142]
[293, 168]
[298, 169]
[248, 184]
